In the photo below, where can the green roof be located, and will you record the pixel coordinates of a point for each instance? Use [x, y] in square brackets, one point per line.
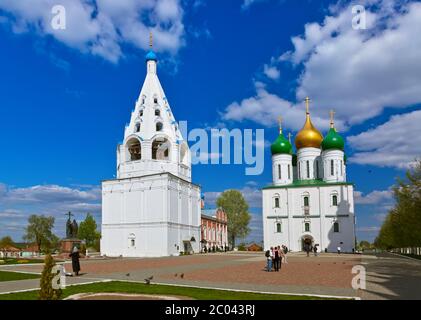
[333, 141]
[281, 146]
[309, 183]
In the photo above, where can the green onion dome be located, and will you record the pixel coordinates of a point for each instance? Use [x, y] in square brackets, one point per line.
[333, 141]
[281, 146]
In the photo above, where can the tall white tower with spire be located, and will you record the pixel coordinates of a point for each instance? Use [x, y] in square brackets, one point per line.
[152, 208]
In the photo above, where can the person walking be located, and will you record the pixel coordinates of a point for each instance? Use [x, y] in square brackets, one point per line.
[276, 258]
[285, 251]
[282, 256]
[268, 255]
[315, 250]
[339, 249]
[75, 261]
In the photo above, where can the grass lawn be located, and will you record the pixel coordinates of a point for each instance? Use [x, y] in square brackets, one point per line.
[129, 287]
[12, 276]
[19, 261]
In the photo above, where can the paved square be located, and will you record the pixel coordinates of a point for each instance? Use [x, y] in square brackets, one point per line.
[327, 274]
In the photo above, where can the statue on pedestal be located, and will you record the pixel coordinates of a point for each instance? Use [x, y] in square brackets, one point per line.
[71, 241]
[71, 227]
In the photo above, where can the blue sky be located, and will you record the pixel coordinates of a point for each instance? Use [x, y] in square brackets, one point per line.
[67, 94]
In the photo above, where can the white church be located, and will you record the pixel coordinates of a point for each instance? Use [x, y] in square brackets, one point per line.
[310, 200]
[152, 208]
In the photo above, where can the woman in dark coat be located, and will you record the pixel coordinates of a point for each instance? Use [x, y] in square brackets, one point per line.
[75, 260]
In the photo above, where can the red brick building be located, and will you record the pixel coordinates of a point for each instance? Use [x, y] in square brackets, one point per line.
[214, 230]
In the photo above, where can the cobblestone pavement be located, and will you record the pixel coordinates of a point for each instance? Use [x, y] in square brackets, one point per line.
[391, 276]
[327, 274]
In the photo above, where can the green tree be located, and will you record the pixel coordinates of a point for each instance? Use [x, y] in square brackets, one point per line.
[88, 231]
[236, 208]
[402, 226]
[39, 230]
[47, 292]
[6, 241]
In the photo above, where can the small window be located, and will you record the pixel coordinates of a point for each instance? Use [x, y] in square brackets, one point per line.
[342, 173]
[306, 201]
[335, 200]
[332, 169]
[336, 227]
[159, 126]
[132, 242]
[299, 169]
[278, 228]
[137, 127]
[157, 112]
[307, 227]
[279, 171]
[289, 172]
[308, 169]
[276, 202]
[141, 113]
[155, 100]
[317, 169]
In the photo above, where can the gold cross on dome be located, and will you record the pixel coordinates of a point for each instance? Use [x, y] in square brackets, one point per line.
[280, 123]
[307, 100]
[150, 39]
[332, 115]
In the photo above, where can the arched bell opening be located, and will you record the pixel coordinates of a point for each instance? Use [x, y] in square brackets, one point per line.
[134, 149]
[161, 148]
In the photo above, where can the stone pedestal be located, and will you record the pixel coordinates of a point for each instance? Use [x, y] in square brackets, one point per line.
[67, 245]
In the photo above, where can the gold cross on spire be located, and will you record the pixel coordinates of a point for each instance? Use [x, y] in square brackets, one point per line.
[332, 115]
[150, 39]
[280, 124]
[307, 100]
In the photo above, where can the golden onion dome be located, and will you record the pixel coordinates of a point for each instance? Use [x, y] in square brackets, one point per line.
[309, 136]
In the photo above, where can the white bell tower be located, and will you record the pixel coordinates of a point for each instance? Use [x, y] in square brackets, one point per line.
[151, 209]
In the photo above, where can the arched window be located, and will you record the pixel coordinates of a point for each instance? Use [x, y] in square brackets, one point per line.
[135, 150]
[332, 169]
[336, 227]
[276, 202]
[306, 201]
[334, 200]
[157, 112]
[155, 100]
[137, 127]
[141, 113]
[161, 149]
[159, 126]
[289, 172]
[279, 171]
[317, 169]
[307, 227]
[278, 227]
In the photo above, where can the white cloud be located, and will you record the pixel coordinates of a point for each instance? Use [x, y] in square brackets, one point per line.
[272, 72]
[104, 26]
[17, 204]
[248, 3]
[374, 197]
[265, 108]
[356, 72]
[372, 229]
[252, 195]
[396, 143]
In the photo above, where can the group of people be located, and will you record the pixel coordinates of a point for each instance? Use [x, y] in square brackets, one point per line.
[274, 257]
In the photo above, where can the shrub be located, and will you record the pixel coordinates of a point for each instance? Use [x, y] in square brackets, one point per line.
[46, 283]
